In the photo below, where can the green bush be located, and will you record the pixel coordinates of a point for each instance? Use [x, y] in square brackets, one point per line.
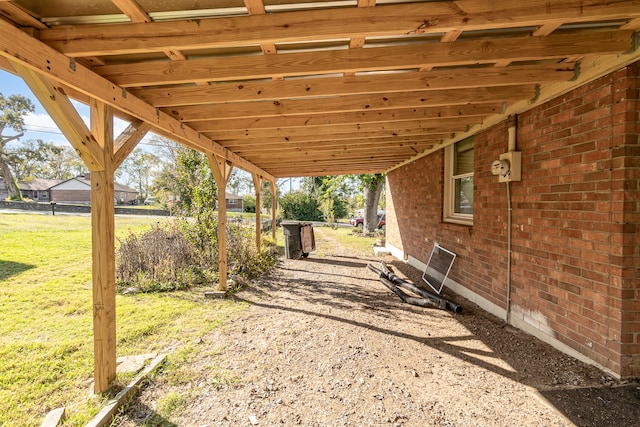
[300, 205]
[249, 203]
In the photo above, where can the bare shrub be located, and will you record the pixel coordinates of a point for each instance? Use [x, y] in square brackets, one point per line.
[185, 253]
[159, 259]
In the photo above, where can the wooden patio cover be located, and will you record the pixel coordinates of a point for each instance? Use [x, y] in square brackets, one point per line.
[285, 88]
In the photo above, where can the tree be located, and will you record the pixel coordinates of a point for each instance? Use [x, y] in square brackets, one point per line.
[371, 185]
[300, 205]
[39, 159]
[195, 185]
[331, 193]
[12, 112]
[239, 181]
[139, 168]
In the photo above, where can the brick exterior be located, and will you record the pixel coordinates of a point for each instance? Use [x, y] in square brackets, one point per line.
[71, 196]
[575, 223]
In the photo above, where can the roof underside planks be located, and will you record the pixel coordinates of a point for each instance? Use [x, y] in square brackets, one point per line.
[294, 88]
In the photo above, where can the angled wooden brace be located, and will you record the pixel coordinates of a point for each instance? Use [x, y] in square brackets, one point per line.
[221, 170]
[127, 141]
[57, 103]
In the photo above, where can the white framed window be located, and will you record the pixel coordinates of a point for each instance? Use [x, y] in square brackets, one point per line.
[458, 182]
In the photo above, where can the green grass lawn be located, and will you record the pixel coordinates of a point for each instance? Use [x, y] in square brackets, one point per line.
[46, 331]
[350, 237]
[46, 335]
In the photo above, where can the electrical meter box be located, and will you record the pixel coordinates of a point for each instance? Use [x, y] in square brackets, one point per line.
[513, 171]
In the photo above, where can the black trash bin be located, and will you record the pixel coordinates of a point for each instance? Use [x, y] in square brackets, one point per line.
[299, 239]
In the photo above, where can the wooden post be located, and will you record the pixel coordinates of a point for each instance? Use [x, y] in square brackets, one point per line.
[273, 208]
[257, 185]
[221, 170]
[95, 148]
[103, 251]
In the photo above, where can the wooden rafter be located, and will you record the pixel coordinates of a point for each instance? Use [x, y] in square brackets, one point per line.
[354, 103]
[332, 119]
[29, 52]
[463, 52]
[411, 18]
[366, 84]
[314, 85]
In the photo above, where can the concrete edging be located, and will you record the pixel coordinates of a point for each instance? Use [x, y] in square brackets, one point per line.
[105, 416]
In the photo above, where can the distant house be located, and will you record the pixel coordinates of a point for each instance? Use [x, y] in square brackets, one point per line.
[74, 190]
[38, 189]
[235, 203]
[78, 190]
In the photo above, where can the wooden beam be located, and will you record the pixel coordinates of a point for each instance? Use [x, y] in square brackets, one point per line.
[332, 119]
[20, 48]
[257, 185]
[591, 68]
[346, 157]
[354, 103]
[221, 170]
[95, 148]
[343, 150]
[256, 7]
[132, 9]
[420, 126]
[103, 251]
[385, 20]
[462, 52]
[274, 202]
[546, 29]
[311, 140]
[136, 13]
[358, 85]
[55, 101]
[450, 36]
[17, 14]
[355, 143]
[324, 170]
[127, 141]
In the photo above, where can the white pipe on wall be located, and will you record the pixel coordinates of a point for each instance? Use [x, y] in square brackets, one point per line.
[513, 123]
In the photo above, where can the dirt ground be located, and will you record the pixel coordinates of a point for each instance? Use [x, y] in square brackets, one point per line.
[324, 343]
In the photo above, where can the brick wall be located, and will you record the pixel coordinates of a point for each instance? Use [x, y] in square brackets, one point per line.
[575, 260]
[78, 196]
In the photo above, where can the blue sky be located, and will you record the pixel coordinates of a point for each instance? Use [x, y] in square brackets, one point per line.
[39, 125]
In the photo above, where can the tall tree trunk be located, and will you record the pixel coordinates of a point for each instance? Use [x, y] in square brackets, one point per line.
[9, 180]
[372, 192]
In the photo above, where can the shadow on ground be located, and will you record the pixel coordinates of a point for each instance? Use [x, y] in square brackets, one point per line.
[609, 405]
[583, 394]
[598, 406]
[143, 416]
[11, 268]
